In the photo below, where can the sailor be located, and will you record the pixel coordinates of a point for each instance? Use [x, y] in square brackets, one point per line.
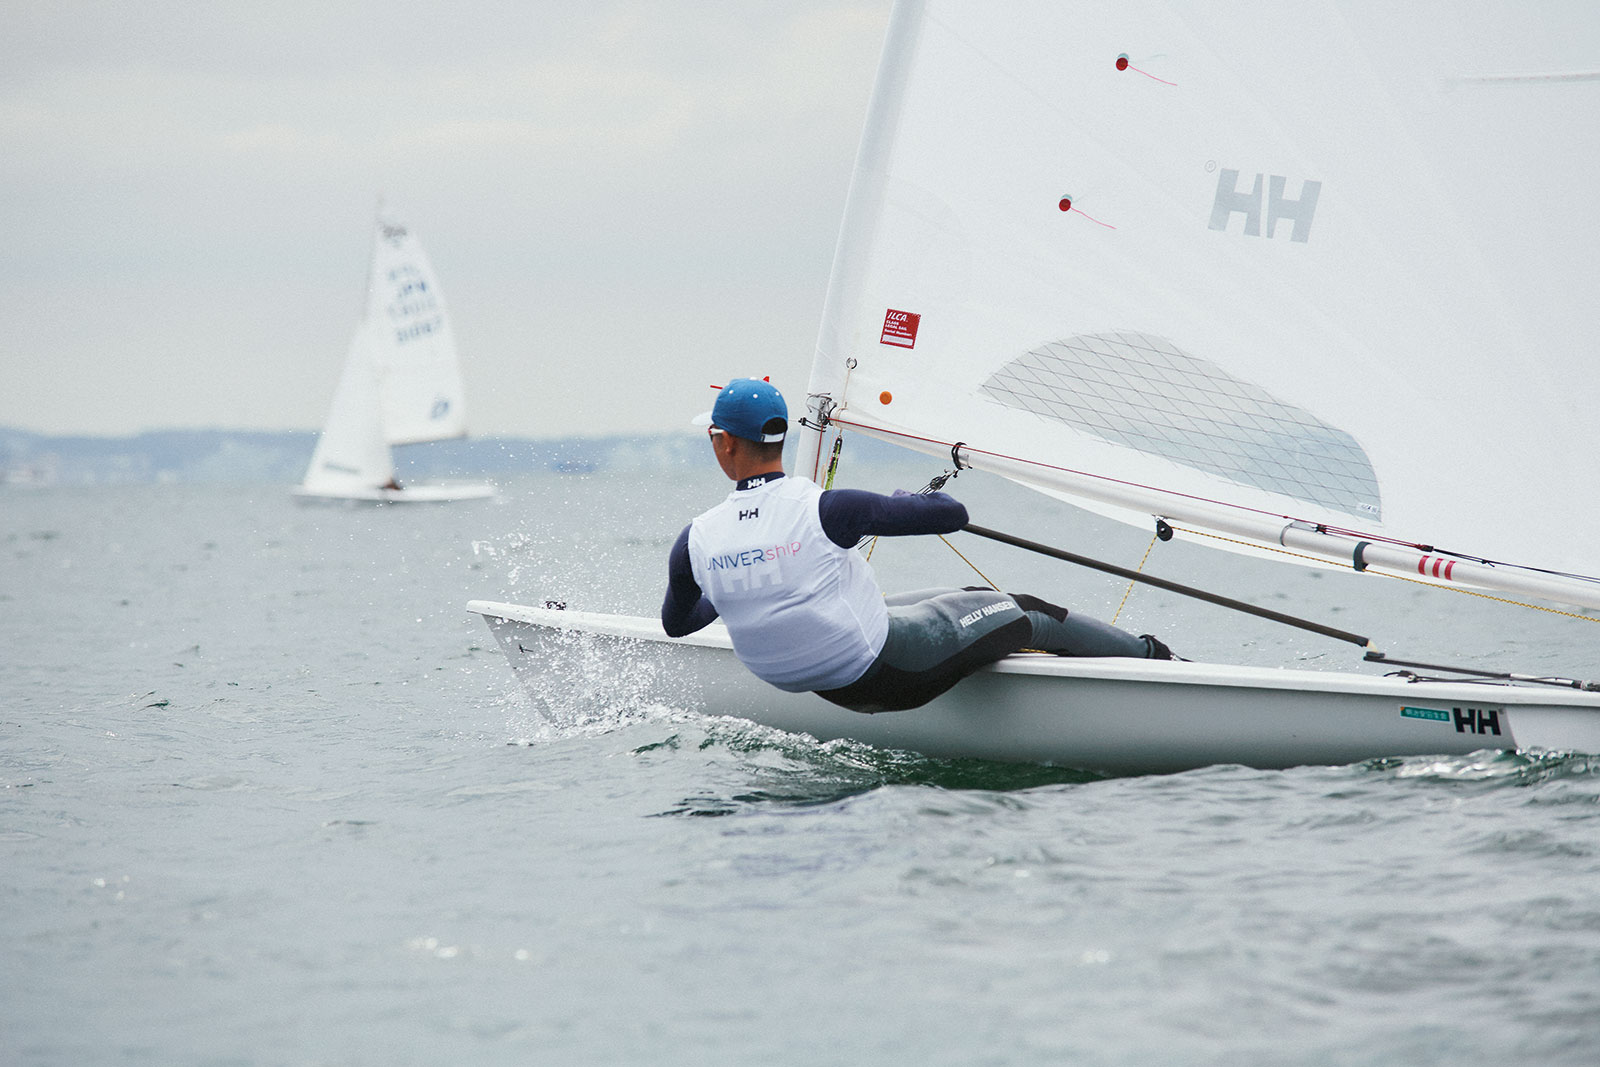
[776, 561]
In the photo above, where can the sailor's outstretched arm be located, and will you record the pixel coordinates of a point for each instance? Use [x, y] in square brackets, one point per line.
[685, 608]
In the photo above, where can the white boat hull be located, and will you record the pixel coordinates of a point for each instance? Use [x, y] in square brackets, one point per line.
[415, 494]
[1117, 716]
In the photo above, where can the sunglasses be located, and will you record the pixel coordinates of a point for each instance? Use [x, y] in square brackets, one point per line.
[713, 432]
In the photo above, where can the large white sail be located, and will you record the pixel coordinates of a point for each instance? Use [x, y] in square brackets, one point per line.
[1317, 274]
[413, 346]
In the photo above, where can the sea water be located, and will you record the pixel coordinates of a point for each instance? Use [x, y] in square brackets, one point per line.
[270, 795]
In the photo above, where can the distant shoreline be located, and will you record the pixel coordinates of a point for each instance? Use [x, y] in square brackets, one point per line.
[36, 460]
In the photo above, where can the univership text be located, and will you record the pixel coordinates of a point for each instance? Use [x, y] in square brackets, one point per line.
[751, 568]
[987, 610]
[751, 556]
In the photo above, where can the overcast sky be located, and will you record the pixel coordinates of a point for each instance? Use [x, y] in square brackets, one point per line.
[624, 201]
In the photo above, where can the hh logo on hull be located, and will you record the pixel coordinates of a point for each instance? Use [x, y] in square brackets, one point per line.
[1267, 195]
[1480, 721]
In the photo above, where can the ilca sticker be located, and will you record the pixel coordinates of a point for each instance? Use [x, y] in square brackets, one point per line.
[900, 328]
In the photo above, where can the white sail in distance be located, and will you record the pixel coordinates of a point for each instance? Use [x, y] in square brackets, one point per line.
[401, 382]
[1285, 273]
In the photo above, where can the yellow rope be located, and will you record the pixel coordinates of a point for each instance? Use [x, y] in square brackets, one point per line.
[1400, 577]
[969, 563]
[1487, 596]
[1131, 584]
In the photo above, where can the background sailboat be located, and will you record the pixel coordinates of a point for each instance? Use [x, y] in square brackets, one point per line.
[401, 383]
[1278, 278]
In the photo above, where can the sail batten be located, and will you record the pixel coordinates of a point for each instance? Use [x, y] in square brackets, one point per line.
[1260, 256]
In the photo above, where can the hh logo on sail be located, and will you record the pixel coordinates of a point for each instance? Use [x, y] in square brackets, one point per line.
[1268, 192]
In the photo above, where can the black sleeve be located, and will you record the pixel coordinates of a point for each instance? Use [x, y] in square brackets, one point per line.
[848, 515]
[684, 609]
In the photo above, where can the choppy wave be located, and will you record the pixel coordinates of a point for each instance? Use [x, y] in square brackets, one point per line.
[1493, 767]
[784, 770]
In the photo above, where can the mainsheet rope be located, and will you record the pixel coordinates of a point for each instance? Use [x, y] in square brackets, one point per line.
[1129, 591]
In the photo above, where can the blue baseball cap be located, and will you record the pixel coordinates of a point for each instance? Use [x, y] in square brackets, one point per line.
[753, 409]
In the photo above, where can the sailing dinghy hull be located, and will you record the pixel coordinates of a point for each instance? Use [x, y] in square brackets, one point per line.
[1116, 716]
[416, 494]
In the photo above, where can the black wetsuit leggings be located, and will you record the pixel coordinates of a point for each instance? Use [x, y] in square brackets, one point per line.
[939, 636]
